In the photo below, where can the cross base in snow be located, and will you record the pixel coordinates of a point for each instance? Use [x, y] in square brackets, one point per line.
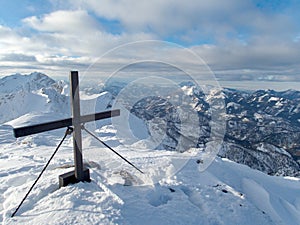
[70, 178]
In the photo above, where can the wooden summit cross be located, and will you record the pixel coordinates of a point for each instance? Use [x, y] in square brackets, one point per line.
[80, 173]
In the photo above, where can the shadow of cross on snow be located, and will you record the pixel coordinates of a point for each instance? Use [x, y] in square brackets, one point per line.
[76, 122]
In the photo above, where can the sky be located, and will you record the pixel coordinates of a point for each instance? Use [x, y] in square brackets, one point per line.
[248, 40]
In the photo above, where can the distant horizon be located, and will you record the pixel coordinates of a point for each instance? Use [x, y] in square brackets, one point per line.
[234, 84]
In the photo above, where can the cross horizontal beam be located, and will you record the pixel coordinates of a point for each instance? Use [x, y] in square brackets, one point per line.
[34, 129]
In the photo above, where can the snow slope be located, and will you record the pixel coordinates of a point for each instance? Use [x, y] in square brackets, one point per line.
[226, 193]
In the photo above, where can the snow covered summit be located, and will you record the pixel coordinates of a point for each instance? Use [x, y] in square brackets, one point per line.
[225, 193]
[31, 82]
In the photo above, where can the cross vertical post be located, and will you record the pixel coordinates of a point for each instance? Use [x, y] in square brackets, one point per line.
[80, 173]
[77, 142]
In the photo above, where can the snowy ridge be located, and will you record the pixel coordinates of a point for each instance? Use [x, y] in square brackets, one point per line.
[25, 83]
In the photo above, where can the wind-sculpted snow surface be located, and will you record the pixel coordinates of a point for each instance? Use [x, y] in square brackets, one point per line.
[226, 193]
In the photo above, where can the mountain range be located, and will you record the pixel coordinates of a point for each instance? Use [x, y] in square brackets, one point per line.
[262, 128]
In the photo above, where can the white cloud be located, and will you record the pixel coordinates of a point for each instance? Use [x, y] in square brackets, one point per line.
[72, 22]
[192, 19]
[13, 57]
[76, 33]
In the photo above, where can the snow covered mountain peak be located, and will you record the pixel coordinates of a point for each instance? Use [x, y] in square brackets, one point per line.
[38, 94]
[31, 82]
[33, 93]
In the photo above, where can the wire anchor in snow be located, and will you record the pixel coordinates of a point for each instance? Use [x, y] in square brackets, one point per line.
[69, 131]
[110, 148]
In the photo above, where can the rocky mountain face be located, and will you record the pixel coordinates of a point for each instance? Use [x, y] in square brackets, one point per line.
[262, 127]
[265, 121]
